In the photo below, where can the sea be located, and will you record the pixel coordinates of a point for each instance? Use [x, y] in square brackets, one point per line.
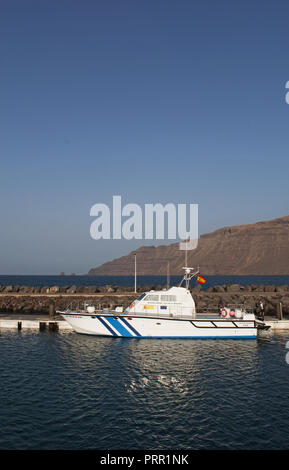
[65, 391]
[84, 280]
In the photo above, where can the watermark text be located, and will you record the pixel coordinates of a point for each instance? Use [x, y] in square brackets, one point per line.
[170, 221]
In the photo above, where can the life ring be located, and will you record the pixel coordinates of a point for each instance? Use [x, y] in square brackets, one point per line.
[223, 312]
[132, 305]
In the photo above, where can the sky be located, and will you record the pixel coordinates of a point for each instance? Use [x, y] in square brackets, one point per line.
[156, 101]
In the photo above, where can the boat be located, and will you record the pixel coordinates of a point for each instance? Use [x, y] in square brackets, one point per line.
[168, 313]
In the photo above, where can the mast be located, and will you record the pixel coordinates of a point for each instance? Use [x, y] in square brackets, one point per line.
[135, 272]
[168, 275]
[186, 250]
[189, 274]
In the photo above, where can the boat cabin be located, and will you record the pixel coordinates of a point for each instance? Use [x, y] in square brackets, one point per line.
[176, 301]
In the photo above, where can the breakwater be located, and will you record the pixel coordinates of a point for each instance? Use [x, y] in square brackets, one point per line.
[46, 300]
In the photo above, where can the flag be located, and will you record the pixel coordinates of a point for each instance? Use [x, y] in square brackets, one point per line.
[201, 280]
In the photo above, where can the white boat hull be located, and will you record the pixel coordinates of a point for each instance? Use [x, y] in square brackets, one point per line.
[125, 326]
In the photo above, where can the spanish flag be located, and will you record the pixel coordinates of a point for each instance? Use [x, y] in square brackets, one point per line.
[200, 279]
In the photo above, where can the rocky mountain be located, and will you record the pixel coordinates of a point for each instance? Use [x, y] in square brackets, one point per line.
[261, 248]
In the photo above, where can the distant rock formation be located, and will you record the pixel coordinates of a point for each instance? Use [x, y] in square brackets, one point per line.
[261, 248]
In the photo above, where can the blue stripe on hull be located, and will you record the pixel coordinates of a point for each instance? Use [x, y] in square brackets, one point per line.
[118, 326]
[106, 326]
[130, 326]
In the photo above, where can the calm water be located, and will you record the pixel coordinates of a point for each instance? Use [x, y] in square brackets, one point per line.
[68, 391]
[141, 280]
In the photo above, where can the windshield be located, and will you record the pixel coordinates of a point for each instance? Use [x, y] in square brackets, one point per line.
[141, 296]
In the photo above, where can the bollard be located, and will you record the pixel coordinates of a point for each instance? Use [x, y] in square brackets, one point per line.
[279, 311]
[53, 326]
[51, 309]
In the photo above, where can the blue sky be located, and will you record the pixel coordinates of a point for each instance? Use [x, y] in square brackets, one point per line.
[157, 101]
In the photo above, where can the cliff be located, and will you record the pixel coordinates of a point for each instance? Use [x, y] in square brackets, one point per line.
[261, 248]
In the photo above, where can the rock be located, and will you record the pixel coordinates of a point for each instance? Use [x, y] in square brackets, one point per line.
[8, 289]
[285, 309]
[247, 288]
[63, 289]
[201, 305]
[53, 290]
[281, 289]
[252, 249]
[80, 289]
[210, 289]
[197, 288]
[233, 288]
[269, 288]
[285, 300]
[127, 289]
[269, 308]
[258, 288]
[25, 289]
[92, 289]
[249, 303]
[218, 289]
[71, 290]
[44, 289]
[110, 289]
[28, 308]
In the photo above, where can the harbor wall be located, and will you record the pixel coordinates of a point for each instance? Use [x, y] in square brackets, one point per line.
[46, 300]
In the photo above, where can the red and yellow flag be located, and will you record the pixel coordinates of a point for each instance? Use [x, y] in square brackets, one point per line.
[200, 279]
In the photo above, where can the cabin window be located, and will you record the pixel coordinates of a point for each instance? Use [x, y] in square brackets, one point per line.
[152, 298]
[141, 296]
[168, 298]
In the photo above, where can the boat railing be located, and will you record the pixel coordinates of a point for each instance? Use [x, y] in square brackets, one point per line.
[212, 312]
[81, 306]
[216, 308]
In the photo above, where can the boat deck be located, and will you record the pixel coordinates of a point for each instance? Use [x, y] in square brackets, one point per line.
[198, 316]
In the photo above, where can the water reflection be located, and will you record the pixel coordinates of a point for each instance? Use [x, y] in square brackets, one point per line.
[126, 393]
[162, 369]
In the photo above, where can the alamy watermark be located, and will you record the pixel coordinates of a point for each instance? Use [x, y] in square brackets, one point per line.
[287, 94]
[170, 222]
[287, 354]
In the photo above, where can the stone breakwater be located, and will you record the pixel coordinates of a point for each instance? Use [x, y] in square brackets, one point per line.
[31, 299]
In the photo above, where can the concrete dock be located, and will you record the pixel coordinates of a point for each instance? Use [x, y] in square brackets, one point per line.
[44, 322]
[41, 322]
[278, 324]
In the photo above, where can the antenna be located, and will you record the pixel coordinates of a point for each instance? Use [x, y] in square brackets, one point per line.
[135, 272]
[168, 275]
[189, 274]
[186, 251]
